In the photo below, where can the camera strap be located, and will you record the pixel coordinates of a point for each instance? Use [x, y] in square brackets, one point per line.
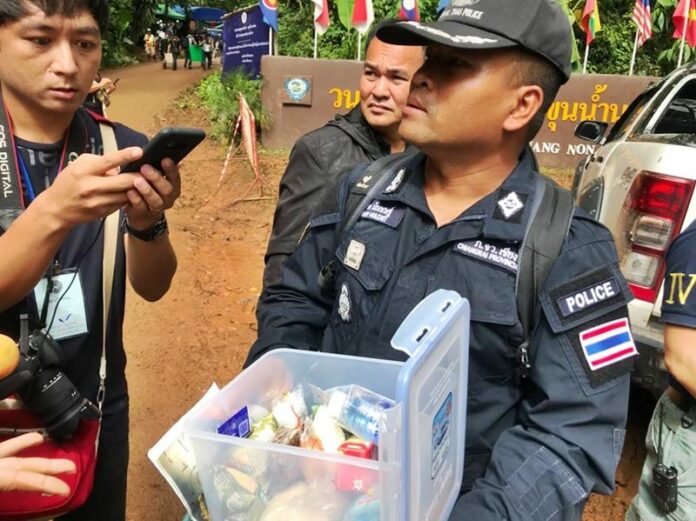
[108, 265]
[14, 178]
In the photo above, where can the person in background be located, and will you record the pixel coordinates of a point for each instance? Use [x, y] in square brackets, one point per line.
[188, 42]
[675, 413]
[321, 156]
[208, 51]
[174, 48]
[150, 46]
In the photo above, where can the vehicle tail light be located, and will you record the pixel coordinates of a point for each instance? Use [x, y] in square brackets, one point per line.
[654, 211]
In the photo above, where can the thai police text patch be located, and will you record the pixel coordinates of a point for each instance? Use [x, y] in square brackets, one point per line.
[583, 298]
[607, 343]
[498, 254]
[589, 295]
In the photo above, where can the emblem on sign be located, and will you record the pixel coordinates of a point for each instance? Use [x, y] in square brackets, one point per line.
[296, 88]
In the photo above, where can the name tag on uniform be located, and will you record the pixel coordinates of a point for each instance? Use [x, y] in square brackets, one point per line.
[587, 297]
[502, 256]
[389, 215]
[354, 255]
[66, 316]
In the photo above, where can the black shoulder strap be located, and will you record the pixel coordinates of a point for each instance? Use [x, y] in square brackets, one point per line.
[374, 180]
[547, 229]
[379, 173]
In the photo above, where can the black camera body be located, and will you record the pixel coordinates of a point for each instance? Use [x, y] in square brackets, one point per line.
[45, 390]
[664, 488]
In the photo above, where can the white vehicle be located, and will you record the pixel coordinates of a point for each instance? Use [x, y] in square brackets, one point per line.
[639, 183]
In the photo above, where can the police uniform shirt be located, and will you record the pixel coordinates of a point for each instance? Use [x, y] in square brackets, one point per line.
[679, 297]
[541, 447]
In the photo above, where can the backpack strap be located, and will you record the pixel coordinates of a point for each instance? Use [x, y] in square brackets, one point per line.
[108, 264]
[378, 174]
[547, 229]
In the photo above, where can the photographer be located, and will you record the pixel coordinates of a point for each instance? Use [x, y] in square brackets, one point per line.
[57, 190]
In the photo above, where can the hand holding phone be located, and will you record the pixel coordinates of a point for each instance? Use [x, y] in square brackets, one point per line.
[171, 142]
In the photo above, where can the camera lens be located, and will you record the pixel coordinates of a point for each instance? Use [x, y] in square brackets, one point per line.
[57, 403]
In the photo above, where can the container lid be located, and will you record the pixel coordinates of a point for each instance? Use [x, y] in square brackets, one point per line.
[432, 388]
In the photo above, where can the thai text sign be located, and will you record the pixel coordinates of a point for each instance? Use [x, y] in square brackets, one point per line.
[245, 39]
[596, 97]
[335, 91]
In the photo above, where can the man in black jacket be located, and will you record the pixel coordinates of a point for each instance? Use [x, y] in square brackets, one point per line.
[318, 158]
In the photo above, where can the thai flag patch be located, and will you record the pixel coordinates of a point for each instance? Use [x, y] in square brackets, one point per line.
[607, 344]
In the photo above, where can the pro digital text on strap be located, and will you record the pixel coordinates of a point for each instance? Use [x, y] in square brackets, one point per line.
[12, 201]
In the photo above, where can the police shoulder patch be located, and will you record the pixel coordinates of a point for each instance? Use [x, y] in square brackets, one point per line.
[587, 294]
[604, 347]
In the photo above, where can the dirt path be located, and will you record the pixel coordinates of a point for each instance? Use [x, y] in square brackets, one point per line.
[201, 330]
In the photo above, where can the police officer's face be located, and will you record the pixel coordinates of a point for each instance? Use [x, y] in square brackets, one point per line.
[48, 63]
[459, 99]
[384, 84]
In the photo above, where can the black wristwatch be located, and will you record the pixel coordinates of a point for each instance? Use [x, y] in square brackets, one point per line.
[149, 234]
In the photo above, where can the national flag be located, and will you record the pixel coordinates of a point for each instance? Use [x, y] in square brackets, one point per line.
[686, 10]
[363, 15]
[442, 5]
[590, 20]
[321, 16]
[607, 344]
[409, 10]
[641, 17]
[269, 9]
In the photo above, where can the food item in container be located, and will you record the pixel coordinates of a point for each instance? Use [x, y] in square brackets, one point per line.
[325, 433]
[264, 430]
[317, 501]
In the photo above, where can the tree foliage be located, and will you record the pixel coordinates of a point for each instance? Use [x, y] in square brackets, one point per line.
[610, 52]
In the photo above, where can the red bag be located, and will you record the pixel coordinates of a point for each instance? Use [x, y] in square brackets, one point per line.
[80, 449]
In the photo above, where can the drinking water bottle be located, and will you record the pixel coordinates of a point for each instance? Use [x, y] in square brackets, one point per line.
[359, 410]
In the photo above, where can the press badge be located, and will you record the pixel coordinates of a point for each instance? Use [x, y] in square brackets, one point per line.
[69, 319]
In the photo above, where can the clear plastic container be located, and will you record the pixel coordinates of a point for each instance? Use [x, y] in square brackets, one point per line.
[421, 439]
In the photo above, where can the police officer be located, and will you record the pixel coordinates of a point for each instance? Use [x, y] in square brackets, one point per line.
[453, 217]
[675, 414]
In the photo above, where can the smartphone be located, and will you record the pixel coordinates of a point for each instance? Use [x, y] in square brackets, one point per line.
[172, 142]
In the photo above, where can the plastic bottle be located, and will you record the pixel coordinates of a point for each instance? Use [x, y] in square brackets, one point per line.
[359, 410]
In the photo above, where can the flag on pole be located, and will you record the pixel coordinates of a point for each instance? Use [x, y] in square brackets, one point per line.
[269, 9]
[363, 15]
[441, 5]
[641, 17]
[590, 20]
[575, 59]
[680, 20]
[409, 10]
[321, 16]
